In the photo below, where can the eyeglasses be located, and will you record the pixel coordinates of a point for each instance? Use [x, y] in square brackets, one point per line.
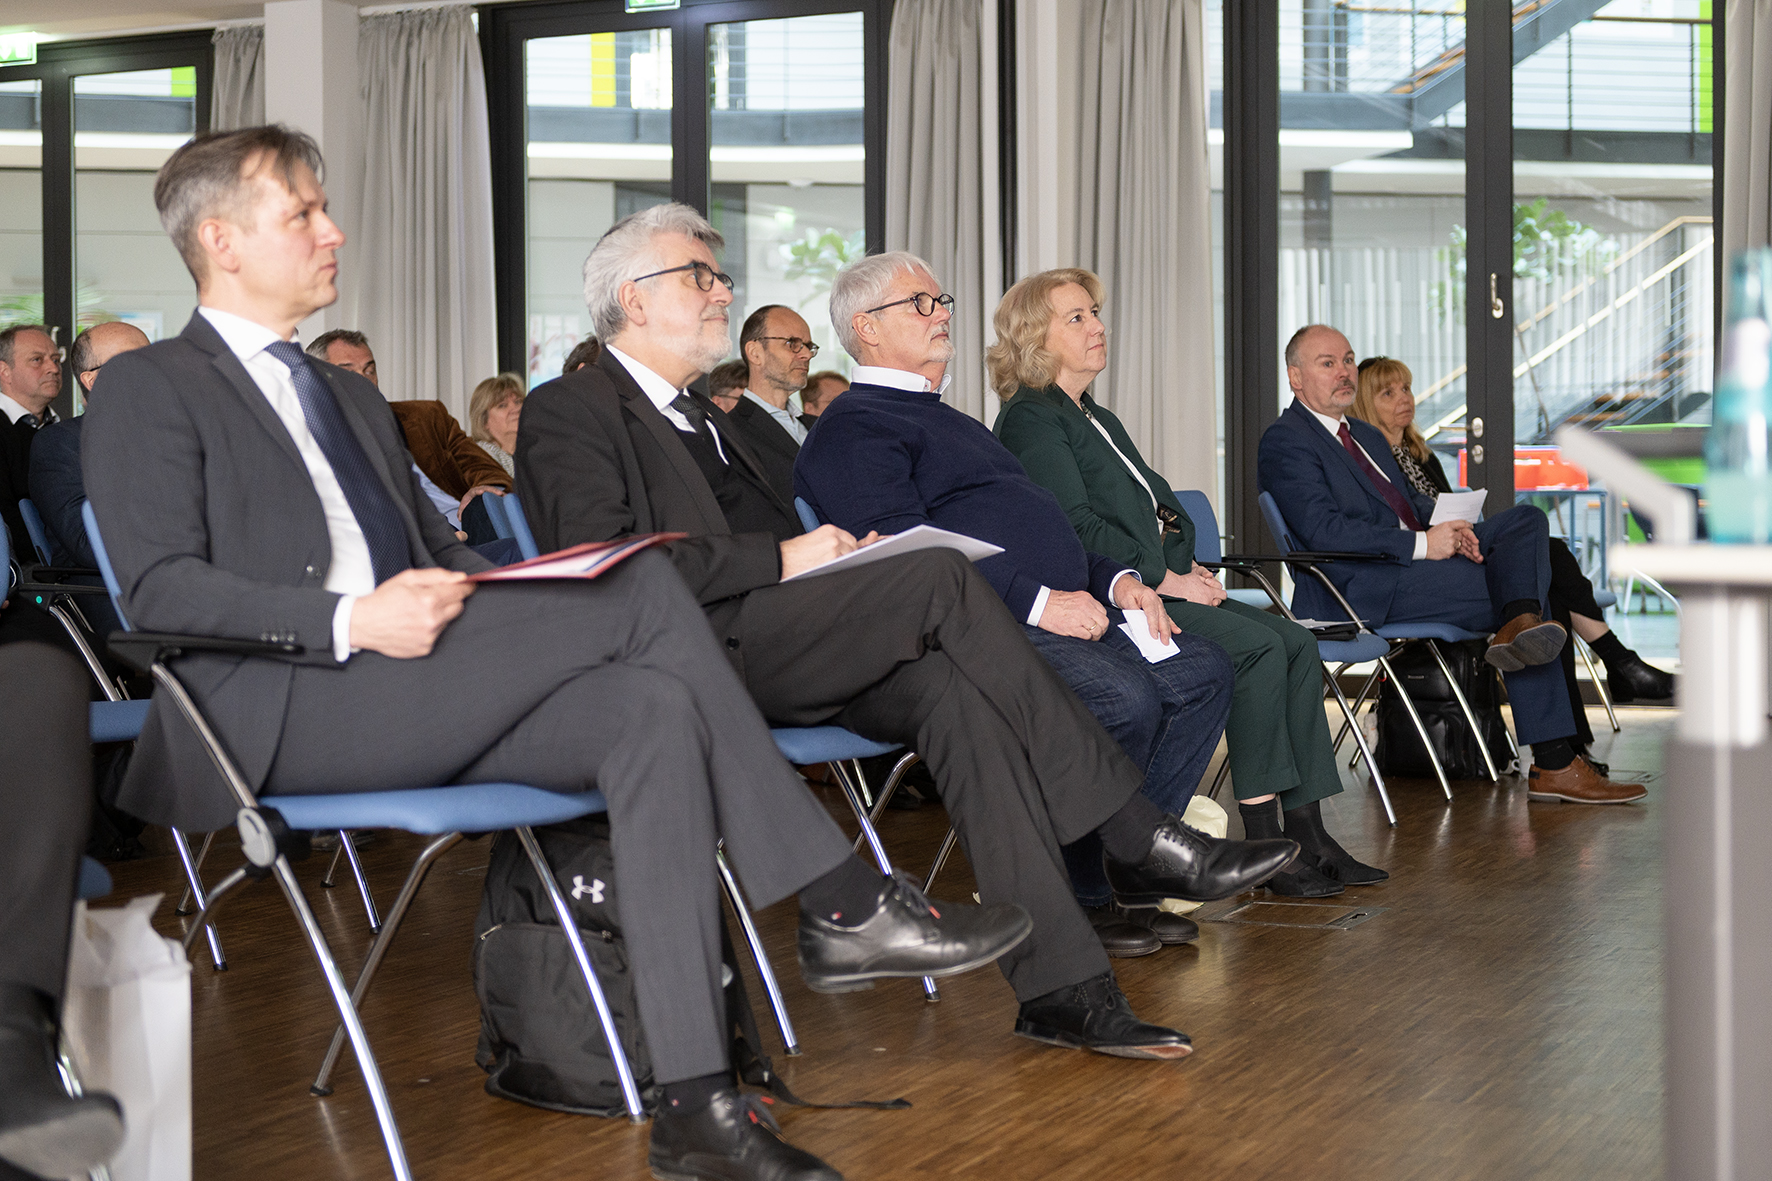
[924, 301]
[704, 275]
[794, 343]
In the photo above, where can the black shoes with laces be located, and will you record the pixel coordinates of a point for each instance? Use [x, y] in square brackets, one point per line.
[733, 1138]
[1192, 866]
[1095, 1015]
[906, 935]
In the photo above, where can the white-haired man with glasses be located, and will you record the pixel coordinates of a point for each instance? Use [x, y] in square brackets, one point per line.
[916, 649]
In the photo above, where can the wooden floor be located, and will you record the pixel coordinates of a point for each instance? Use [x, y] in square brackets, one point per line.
[1499, 1017]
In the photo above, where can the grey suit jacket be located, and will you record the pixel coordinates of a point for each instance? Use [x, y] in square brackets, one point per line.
[596, 460]
[214, 528]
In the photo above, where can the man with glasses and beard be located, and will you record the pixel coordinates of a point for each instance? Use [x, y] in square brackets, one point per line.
[777, 345]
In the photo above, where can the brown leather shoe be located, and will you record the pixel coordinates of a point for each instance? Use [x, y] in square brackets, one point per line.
[1523, 640]
[1579, 783]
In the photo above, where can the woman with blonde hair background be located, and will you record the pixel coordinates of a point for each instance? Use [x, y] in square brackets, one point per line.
[493, 412]
[1385, 397]
[1051, 344]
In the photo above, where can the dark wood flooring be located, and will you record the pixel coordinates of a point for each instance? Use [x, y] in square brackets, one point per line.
[1499, 1017]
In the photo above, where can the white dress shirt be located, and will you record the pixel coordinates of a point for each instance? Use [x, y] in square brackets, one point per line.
[661, 394]
[916, 383]
[352, 573]
[1333, 426]
[786, 418]
[14, 412]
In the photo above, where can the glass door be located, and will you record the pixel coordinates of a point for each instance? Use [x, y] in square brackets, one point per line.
[21, 202]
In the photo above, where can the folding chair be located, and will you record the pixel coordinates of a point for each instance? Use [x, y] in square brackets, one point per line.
[272, 832]
[1341, 653]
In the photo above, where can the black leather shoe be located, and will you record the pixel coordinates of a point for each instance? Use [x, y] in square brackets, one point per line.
[1120, 939]
[1194, 867]
[44, 1130]
[1170, 929]
[1628, 680]
[906, 936]
[1341, 866]
[1095, 1015]
[1301, 880]
[734, 1138]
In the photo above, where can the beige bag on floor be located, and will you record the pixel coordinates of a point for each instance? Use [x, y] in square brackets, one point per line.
[1204, 814]
[127, 1022]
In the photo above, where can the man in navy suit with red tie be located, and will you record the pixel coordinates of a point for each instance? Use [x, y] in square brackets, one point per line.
[1340, 490]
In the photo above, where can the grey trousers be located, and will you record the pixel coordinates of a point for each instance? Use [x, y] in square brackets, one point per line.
[615, 684]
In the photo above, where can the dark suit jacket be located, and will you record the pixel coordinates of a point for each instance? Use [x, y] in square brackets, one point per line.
[15, 469]
[58, 490]
[1330, 504]
[214, 528]
[596, 460]
[443, 451]
[774, 448]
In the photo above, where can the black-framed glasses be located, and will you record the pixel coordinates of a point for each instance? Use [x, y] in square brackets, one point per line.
[794, 343]
[924, 301]
[704, 275]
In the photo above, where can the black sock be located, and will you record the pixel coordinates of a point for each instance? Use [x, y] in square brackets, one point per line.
[1305, 825]
[1611, 650]
[1520, 607]
[690, 1095]
[1554, 755]
[1261, 822]
[1128, 834]
[854, 888]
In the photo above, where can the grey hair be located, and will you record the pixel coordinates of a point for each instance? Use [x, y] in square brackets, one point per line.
[862, 285]
[627, 251]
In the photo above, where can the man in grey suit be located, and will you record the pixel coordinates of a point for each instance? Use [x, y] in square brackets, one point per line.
[247, 490]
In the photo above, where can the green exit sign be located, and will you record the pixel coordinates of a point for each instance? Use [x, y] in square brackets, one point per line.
[20, 49]
[651, 5]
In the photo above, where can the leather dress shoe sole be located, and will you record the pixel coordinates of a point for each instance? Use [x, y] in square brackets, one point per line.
[1551, 797]
[81, 1134]
[1533, 646]
[1049, 1036]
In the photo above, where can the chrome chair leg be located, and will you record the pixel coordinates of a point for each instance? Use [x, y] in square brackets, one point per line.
[904, 764]
[338, 854]
[70, 1076]
[617, 1054]
[1362, 750]
[1470, 716]
[184, 903]
[415, 878]
[1593, 674]
[1349, 722]
[194, 889]
[349, 848]
[850, 792]
[1420, 729]
[378, 1093]
[78, 636]
[931, 993]
[1224, 769]
[764, 971]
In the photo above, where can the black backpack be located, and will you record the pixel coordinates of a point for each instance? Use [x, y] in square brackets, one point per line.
[1399, 749]
[540, 1040]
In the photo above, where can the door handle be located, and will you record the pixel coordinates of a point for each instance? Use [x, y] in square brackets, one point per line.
[1497, 309]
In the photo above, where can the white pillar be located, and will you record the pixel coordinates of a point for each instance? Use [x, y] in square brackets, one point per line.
[311, 84]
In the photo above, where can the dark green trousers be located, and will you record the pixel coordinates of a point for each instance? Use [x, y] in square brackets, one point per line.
[1278, 734]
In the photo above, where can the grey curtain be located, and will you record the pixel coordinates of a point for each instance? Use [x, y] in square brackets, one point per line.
[1144, 224]
[937, 154]
[1747, 126]
[237, 95]
[424, 247]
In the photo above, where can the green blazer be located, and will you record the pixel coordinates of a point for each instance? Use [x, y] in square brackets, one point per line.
[1110, 510]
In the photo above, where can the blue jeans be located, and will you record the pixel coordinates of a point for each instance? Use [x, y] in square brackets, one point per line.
[1167, 717]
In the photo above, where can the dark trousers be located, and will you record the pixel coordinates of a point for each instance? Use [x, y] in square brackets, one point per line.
[45, 806]
[1166, 716]
[920, 650]
[615, 684]
[1516, 565]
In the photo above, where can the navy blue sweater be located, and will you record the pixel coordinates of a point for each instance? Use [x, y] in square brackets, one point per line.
[889, 459]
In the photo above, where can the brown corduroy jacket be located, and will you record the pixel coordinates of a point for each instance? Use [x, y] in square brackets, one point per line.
[443, 451]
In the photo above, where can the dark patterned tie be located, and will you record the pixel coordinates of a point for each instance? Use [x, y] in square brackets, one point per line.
[1392, 496]
[367, 495]
[689, 408]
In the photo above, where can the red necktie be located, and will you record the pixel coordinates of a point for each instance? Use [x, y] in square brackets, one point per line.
[1398, 502]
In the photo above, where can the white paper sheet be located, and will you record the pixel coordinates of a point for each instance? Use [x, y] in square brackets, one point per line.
[1140, 631]
[1458, 506]
[913, 539]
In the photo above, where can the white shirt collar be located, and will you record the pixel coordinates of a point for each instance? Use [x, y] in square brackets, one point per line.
[898, 379]
[13, 410]
[1332, 425]
[245, 338]
[659, 391]
[788, 418]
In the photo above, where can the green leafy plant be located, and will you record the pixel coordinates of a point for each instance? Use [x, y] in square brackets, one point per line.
[28, 309]
[1547, 242]
[819, 255]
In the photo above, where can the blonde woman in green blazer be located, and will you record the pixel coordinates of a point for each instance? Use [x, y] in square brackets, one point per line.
[1050, 346]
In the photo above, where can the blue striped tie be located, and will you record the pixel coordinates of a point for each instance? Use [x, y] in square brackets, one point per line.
[367, 495]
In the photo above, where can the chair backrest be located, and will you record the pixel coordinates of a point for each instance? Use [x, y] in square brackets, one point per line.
[1276, 524]
[34, 526]
[808, 519]
[1207, 545]
[104, 562]
[495, 513]
[513, 508]
[6, 558]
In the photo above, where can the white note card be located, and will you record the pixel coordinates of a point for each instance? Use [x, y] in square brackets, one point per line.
[1140, 631]
[1458, 506]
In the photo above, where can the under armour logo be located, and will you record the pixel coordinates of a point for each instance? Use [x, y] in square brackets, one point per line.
[579, 889]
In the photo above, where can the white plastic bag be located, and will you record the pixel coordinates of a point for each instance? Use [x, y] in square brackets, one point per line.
[127, 1019]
